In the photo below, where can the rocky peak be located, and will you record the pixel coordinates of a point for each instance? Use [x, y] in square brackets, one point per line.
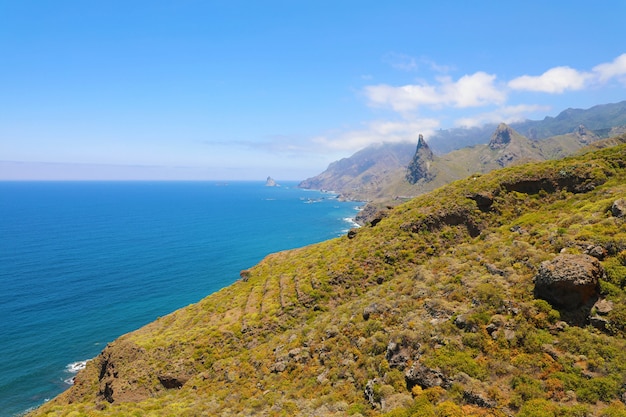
[501, 137]
[422, 147]
[419, 167]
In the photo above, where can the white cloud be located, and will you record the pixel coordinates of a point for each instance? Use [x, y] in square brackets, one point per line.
[560, 79]
[508, 114]
[608, 70]
[480, 91]
[378, 132]
[473, 90]
[554, 80]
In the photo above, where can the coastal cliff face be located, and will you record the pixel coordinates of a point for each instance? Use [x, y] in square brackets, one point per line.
[443, 306]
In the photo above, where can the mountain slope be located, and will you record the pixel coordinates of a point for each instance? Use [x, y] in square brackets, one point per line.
[432, 311]
[598, 119]
[371, 175]
[362, 169]
[427, 171]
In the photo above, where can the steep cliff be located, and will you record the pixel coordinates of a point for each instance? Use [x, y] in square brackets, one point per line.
[442, 307]
[356, 176]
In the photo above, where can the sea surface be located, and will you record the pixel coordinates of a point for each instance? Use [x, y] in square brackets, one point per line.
[82, 263]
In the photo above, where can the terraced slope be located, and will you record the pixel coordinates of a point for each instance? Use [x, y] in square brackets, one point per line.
[432, 311]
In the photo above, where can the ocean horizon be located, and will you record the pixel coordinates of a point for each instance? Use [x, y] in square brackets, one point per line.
[84, 262]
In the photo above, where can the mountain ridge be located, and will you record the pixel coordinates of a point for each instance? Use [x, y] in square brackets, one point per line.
[393, 180]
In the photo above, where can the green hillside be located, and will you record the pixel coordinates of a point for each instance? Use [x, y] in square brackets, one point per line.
[431, 311]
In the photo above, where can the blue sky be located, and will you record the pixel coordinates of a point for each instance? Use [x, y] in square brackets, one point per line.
[245, 89]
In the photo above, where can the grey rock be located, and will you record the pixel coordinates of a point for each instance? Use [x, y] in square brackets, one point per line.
[398, 356]
[603, 307]
[373, 308]
[478, 399]
[426, 377]
[599, 322]
[370, 395]
[278, 367]
[618, 209]
[596, 251]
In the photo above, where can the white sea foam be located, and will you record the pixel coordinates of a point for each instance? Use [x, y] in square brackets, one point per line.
[74, 367]
[351, 221]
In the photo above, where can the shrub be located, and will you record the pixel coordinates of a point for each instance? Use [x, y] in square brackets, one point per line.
[526, 389]
[451, 361]
[538, 408]
[449, 409]
[358, 408]
[615, 409]
[608, 289]
[616, 270]
[598, 389]
[489, 294]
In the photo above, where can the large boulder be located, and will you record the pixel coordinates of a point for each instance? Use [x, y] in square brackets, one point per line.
[569, 282]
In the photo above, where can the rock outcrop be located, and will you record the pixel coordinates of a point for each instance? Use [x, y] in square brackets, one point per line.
[508, 147]
[426, 377]
[501, 137]
[420, 166]
[270, 182]
[571, 283]
[618, 209]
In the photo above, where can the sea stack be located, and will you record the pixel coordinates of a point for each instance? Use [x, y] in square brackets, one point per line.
[270, 182]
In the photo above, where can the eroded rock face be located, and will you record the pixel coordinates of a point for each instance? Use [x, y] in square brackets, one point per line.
[425, 377]
[483, 199]
[370, 393]
[569, 282]
[398, 355]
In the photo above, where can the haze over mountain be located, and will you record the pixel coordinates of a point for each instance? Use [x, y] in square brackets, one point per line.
[373, 175]
[599, 119]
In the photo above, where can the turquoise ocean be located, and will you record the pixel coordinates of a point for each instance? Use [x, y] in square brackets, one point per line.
[82, 263]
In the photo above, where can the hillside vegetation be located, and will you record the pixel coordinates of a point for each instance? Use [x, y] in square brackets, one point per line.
[429, 311]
